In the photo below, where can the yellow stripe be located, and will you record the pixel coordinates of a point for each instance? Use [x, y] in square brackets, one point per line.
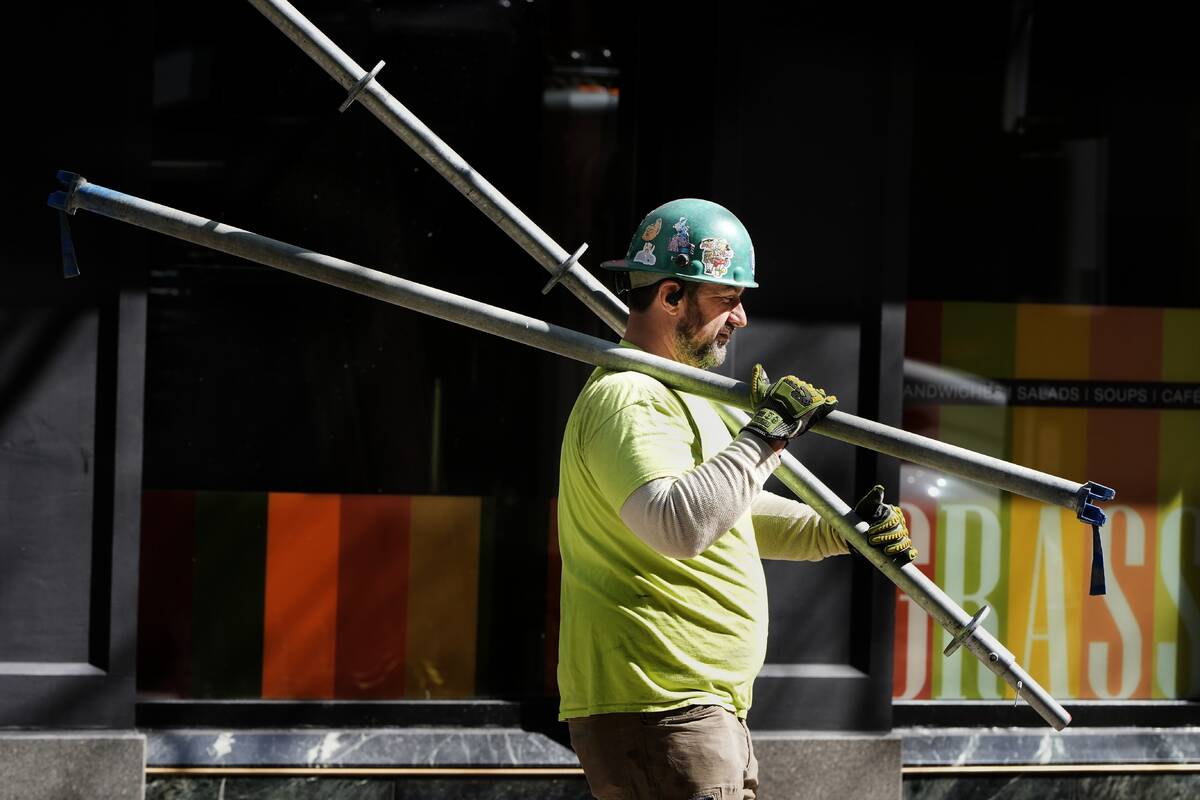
[1046, 567]
[1045, 607]
[1175, 648]
[1181, 332]
[443, 581]
[1053, 342]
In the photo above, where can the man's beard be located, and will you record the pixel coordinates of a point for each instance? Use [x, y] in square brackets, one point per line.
[692, 350]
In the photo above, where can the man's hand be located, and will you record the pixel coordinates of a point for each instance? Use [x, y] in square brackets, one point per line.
[785, 409]
[888, 532]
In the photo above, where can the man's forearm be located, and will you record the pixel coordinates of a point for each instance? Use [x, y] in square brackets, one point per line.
[792, 531]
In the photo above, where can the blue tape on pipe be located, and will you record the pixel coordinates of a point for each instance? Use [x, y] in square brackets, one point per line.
[1093, 515]
[70, 264]
[1098, 586]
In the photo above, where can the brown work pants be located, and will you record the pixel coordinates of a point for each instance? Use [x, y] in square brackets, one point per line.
[691, 753]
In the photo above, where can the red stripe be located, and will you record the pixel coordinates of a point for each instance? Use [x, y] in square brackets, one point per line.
[922, 342]
[899, 640]
[165, 593]
[553, 591]
[373, 583]
[927, 563]
[923, 332]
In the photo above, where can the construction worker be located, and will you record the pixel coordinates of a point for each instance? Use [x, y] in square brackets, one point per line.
[663, 524]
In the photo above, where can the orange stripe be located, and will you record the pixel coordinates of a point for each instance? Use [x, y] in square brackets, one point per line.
[1127, 344]
[300, 609]
[1123, 453]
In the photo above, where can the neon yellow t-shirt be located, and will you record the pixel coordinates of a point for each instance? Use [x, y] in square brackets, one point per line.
[641, 631]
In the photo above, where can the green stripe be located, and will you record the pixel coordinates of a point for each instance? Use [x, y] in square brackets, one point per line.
[984, 429]
[227, 607]
[980, 338]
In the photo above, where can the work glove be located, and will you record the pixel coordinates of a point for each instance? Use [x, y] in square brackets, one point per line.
[887, 533]
[786, 408]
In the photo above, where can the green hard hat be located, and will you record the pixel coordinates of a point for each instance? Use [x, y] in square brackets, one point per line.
[695, 240]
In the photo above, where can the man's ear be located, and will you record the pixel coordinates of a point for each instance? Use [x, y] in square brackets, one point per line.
[670, 293]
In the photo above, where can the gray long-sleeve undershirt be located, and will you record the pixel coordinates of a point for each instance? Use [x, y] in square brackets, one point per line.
[681, 517]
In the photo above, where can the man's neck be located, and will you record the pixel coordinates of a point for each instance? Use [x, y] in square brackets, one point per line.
[655, 339]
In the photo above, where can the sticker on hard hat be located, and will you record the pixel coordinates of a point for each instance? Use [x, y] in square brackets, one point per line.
[646, 255]
[652, 231]
[681, 242]
[717, 256]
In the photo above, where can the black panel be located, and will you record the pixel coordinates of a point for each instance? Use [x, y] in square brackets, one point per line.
[71, 367]
[72, 515]
[48, 426]
[1087, 714]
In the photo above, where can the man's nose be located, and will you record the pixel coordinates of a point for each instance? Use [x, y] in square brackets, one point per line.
[738, 318]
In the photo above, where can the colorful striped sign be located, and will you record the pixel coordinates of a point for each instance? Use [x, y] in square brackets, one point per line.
[309, 596]
[1100, 393]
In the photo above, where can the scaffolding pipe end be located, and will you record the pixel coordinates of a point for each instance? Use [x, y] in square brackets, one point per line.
[1086, 509]
[65, 202]
[64, 199]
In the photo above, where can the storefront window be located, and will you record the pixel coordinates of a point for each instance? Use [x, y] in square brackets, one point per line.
[1087, 393]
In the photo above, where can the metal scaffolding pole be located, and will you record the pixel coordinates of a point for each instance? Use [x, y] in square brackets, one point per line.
[572, 344]
[363, 87]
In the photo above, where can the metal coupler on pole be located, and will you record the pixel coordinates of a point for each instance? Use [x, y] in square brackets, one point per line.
[364, 88]
[572, 344]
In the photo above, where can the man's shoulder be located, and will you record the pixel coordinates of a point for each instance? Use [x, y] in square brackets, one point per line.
[617, 389]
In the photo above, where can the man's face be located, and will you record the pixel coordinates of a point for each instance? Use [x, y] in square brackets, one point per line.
[707, 321]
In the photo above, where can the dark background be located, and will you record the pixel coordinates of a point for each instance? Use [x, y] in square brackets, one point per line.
[978, 151]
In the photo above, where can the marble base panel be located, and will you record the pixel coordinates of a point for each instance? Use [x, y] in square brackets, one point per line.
[1040, 787]
[966, 787]
[797, 765]
[793, 764]
[72, 766]
[366, 747]
[171, 788]
[975, 746]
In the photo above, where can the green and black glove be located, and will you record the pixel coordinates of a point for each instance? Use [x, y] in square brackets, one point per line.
[887, 533]
[786, 408]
